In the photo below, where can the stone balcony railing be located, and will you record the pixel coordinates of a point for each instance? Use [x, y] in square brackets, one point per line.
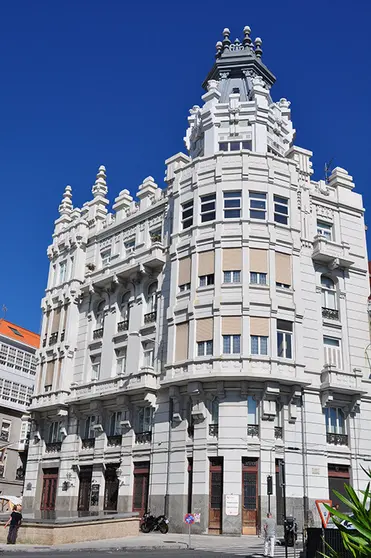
[337, 439]
[114, 441]
[278, 432]
[98, 333]
[123, 326]
[46, 400]
[87, 443]
[253, 430]
[341, 380]
[150, 317]
[53, 447]
[330, 313]
[143, 437]
[331, 253]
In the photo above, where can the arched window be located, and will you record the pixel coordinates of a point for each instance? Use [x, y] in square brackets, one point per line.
[100, 314]
[328, 293]
[125, 307]
[152, 297]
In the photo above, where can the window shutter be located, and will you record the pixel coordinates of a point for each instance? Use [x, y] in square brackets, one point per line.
[259, 327]
[258, 260]
[184, 271]
[205, 328]
[181, 342]
[283, 268]
[206, 263]
[232, 259]
[56, 319]
[231, 325]
[49, 373]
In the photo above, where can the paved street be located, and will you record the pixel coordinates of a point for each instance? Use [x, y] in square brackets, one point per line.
[144, 554]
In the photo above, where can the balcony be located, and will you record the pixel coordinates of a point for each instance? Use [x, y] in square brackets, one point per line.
[278, 432]
[330, 314]
[87, 443]
[53, 447]
[331, 253]
[53, 338]
[98, 333]
[337, 439]
[253, 430]
[114, 441]
[143, 437]
[213, 430]
[123, 326]
[150, 317]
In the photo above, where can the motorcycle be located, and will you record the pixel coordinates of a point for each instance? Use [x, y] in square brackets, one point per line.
[152, 523]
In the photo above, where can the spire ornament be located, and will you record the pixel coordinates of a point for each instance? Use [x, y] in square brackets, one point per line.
[258, 50]
[226, 40]
[100, 185]
[66, 207]
[246, 40]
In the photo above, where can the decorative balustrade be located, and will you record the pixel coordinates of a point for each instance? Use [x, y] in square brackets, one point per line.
[278, 432]
[87, 443]
[143, 437]
[213, 430]
[337, 439]
[114, 441]
[98, 333]
[150, 317]
[330, 313]
[253, 430]
[53, 338]
[123, 326]
[53, 447]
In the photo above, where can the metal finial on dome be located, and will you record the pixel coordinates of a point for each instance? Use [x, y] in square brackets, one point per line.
[226, 40]
[258, 50]
[246, 31]
[66, 207]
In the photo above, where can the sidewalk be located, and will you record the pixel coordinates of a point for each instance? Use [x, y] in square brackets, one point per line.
[152, 541]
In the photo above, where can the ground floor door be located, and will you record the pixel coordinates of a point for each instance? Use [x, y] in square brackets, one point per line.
[140, 488]
[112, 488]
[84, 488]
[216, 495]
[338, 475]
[49, 489]
[249, 496]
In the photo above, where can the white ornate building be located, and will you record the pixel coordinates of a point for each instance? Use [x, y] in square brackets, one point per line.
[196, 338]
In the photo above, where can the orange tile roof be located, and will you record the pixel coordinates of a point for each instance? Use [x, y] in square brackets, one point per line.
[19, 334]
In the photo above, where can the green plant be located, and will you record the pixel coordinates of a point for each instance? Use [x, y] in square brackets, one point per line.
[358, 540]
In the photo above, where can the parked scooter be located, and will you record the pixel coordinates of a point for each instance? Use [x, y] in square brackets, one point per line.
[152, 523]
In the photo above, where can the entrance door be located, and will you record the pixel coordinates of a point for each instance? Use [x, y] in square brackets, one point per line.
[338, 475]
[216, 495]
[249, 496]
[112, 488]
[84, 488]
[49, 491]
[140, 489]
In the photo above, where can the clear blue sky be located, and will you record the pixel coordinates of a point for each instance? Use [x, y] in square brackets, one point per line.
[91, 82]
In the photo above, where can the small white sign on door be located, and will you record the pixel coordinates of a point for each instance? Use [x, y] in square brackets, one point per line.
[232, 504]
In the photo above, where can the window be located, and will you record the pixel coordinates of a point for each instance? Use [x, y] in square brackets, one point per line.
[252, 411]
[235, 145]
[187, 215]
[206, 280]
[144, 419]
[105, 257]
[335, 421]
[284, 339]
[125, 307]
[152, 297]
[232, 277]
[129, 245]
[121, 361]
[328, 293]
[70, 275]
[54, 434]
[5, 431]
[324, 229]
[184, 274]
[148, 354]
[100, 314]
[185, 287]
[95, 367]
[88, 426]
[231, 344]
[281, 210]
[332, 350]
[258, 205]
[259, 345]
[232, 205]
[205, 348]
[283, 270]
[258, 278]
[156, 235]
[115, 426]
[15, 331]
[215, 411]
[62, 271]
[208, 208]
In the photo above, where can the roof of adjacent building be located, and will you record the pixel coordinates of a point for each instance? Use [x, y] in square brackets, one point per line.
[19, 334]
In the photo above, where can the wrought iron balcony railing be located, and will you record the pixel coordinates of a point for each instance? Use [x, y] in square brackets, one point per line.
[150, 317]
[330, 313]
[53, 447]
[278, 432]
[98, 333]
[213, 430]
[114, 441]
[53, 338]
[337, 439]
[253, 430]
[143, 437]
[123, 326]
[87, 443]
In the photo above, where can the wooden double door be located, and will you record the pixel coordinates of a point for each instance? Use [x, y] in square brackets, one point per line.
[111, 488]
[249, 496]
[85, 477]
[216, 495]
[140, 488]
[49, 489]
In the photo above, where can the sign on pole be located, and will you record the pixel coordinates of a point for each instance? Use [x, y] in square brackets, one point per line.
[323, 512]
[189, 518]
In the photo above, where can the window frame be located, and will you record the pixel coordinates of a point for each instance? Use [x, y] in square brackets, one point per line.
[185, 287]
[148, 348]
[208, 214]
[255, 413]
[62, 271]
[229, 197]
[205, 348]
[287, 340]
[208, 280]
[121, 357]
[326, 291]
[259, 277]
[257, 197]
[106, 256]
[337, 426]
[144, 418]
[281, 217]
[114, 423]
[262, 343]
[323, 226]
[95, 367]
[187, 221]
[234, 342]
[234, 278]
